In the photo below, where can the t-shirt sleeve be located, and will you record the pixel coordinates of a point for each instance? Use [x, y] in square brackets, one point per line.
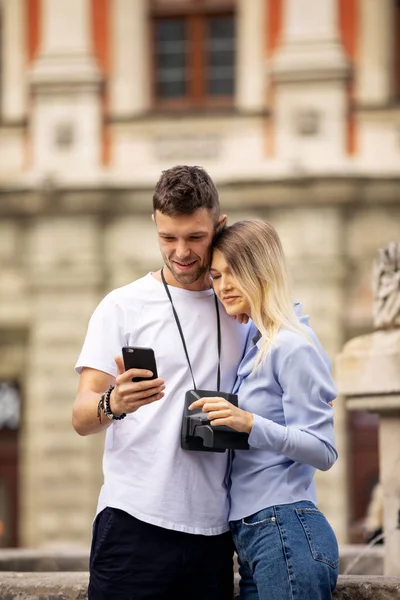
[104, 338]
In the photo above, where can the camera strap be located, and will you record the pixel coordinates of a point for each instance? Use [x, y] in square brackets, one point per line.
[183, 338]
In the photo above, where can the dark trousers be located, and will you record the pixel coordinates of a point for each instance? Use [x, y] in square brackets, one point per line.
[132, 560]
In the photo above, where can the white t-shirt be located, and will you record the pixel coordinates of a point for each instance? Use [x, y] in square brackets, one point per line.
[146, 473]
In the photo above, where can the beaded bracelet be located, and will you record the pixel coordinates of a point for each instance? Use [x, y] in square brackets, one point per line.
[100, 408]
[106, 406]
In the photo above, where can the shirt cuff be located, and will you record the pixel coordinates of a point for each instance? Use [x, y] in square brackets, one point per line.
[267, 435]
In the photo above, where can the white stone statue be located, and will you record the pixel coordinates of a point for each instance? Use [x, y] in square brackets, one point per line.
[386, 287]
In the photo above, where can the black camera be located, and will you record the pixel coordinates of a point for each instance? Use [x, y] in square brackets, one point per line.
[198, 433]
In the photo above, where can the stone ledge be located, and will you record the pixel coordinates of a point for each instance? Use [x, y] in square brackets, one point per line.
[44, 560]
[367, 587]
[77, 559]
[43, 586]
[73, 586]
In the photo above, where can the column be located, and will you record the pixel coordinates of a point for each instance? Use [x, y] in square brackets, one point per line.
[13, 53]
[251, 62]
[61, 470]
[310, 41]
[65, 81]
[309, 72]
[376, 52]
[13, 96]
[130, 72]
[389, 460]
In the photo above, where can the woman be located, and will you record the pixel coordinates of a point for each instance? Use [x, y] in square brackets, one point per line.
[286, 547]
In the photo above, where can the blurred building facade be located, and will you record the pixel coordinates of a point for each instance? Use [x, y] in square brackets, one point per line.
[291, 105]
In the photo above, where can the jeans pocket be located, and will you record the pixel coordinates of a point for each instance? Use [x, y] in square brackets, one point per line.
[101, 528]
[320, 536]
[265, 516]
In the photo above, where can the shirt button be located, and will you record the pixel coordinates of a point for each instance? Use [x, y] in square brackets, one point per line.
[273, 519]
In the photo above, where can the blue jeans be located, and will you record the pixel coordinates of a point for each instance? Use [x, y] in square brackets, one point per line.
[286, 552]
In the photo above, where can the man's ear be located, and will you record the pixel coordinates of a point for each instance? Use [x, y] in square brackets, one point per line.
[153, 218]
[221, 225]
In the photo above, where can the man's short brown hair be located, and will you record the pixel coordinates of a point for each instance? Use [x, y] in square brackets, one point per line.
[183, 189]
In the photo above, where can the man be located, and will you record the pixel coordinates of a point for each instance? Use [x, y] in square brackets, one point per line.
[161, 526]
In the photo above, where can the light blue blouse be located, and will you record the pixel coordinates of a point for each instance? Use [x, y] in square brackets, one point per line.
[292, 434]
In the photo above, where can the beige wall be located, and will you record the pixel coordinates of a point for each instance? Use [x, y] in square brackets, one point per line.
[61, 262]
[71, 228]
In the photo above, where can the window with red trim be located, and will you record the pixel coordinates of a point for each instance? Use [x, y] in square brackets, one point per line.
[193, 52]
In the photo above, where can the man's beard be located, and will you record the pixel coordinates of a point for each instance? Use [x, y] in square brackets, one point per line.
[186, 278]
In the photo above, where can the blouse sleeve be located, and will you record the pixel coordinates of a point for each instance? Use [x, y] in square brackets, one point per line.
[307, 388]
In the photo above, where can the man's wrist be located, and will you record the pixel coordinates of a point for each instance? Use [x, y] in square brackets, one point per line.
[107, 406]
[111, 404]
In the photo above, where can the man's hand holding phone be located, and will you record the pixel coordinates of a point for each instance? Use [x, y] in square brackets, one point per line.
[128, 396]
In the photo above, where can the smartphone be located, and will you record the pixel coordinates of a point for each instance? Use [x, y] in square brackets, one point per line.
[140, 358]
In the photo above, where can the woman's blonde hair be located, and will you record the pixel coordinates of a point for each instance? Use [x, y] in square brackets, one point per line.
[254, 254]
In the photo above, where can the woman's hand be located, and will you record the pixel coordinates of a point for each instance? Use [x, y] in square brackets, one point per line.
[222, 412]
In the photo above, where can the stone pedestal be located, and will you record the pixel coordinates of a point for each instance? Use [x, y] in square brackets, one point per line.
[368, 375]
